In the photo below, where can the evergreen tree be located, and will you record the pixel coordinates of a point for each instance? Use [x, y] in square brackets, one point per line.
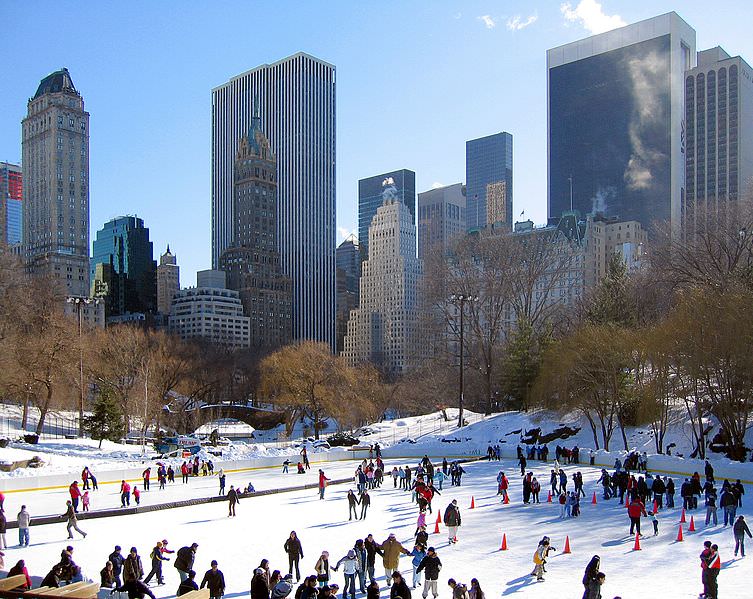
[611, 302]
[521, 364]
[106, 421]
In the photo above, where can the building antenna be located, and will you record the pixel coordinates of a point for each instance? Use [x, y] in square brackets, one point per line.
[570, 179]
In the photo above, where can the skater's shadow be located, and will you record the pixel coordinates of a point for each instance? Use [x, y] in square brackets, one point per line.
[729, 562]
[518, 584]
[201, 521]
[617, 542]
[330, 525]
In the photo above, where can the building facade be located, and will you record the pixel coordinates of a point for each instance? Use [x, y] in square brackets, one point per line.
[296, 98]
[719, 133]
[168, 281]
[252, 261]
[11, 207]
[441, 218]
[123, 268]
[370, 199]
[384, 328]
[616, 118]
[348, 261]
[210, 311]
[488, 160]
[55, 151]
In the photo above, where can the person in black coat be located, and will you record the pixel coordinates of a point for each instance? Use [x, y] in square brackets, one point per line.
[117, 564]
[399, 589]
[184, 560]
[430, 565]
[592, 569]
[188, 585]
[214, 580]
[259, 585]
[135, 589]
[53, 577]
[232, 499]
[294, 550]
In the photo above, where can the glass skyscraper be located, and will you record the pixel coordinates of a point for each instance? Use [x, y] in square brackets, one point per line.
[488, 160]
[296, 100]
[370, 199]
[616, 121]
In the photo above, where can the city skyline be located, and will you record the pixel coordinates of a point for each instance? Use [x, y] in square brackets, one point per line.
[160, 166]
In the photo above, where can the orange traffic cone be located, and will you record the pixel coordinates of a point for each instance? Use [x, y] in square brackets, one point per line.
[504, 543]
[549, 498]
[567, 545]
[593, 499]
[679, 533]
[656, 507]
[637, 546]
[691, 528]
[473, 502]
[682, 518]
[436, 525]
[507, 499]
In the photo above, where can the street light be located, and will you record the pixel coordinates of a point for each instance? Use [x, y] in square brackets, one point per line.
[80, 302]
[461, 299]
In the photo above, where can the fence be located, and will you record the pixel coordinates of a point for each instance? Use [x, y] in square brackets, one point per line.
[56, 426]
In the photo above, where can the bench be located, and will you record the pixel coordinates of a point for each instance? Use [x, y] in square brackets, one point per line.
[200, 594]
[12, 582]
[76, 590]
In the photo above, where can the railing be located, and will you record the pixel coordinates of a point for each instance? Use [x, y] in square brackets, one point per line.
[55, 426]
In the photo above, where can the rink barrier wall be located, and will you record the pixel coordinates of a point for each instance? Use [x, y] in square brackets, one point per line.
[143, 509]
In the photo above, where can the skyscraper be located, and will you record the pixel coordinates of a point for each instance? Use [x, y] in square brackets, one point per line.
[296, 100]
[252, 260]
[348, 261]
[616, 110]
[719, 131]
[11, 207]
[441, 217]
[55, 149]
[123, 267]
[487, 160]
[384, 328]
[168, 281]
[370, 199]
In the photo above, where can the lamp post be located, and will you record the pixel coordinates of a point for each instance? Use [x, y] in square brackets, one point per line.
[460, 300]
[80, 302]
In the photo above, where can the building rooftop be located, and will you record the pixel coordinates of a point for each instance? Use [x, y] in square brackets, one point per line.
[55, 82]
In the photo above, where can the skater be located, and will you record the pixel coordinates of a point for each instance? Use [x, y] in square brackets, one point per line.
[85, 478]
[322, 482]
[740, 529]
[75, 494]
[360, 550]
[3, 528]
[294, 550]
[85, 501]
[132, 568]
[539, 559]
[125, 493]
[214, 579]
[399, 589]
[322, 569]
[391, 550]
[711, 506]
[221, 475]
[188, 585]
[523, 463]
[136, 495]
[636, 509]
[157, 559]
[365, 503]
[592, 570]
[305, 455]
[418, 555]
[117, 561]
[232, 499]
[184, 560]
[285, 465]
[146, 475]
[713, 566]
[352, 503]
[371, 551]
[452, 521]
[184, 472]
[654, 522]
[704, 568]
[72, 521]
[351, 567]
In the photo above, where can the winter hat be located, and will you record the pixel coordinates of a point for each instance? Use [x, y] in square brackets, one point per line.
[431, 549]
[325, 553]
[133, 550]
[351, 554]
[259, 571]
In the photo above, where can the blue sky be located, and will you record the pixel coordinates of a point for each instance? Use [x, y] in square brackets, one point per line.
[415, 80]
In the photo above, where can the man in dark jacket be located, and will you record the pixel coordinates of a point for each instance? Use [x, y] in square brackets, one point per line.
[188, 585]
[372, 548]
[184, 560]
[132, 568]
[135, 589]
[117, 564]
[659, 488]
[399, 587]
[431, 565]
[452, 521]
[214, 579]
[232, 499]
[740, 529]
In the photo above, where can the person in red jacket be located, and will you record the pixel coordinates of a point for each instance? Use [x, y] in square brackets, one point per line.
[636, 509]
[125, 493]
[85, 477]
[322, 483]
[75, 494]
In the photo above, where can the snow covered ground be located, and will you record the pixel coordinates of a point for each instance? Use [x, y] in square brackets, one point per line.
[663, 568]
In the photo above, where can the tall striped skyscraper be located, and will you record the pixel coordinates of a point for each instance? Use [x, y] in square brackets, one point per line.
[296, 101]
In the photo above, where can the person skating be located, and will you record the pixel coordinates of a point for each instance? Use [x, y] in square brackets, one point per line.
[72, 520]
[322, 569]
[157, 559]
[522, 462]
[136, 495]
[350, 571]
[305, 455]
[117, 560]
[636, 509]
[704, 568]
[592, 570]
[539, 558]
[322, 483]
[372, 548]
[399, 588]
[146, 475]
[187, 585]
[711, 506]
[739, 530]
[222, 478]
[418, 554]
[135, 589]
[352, 503]
[714, 564]
[654, 522]
[75, 494]
[362, 558]
[23, 520]
[452, 521]
[391, 550]
[184, 560]
[85, 501]
[294, 550]
[232, 500]
[430, 565]
[132, 567]
[365, 503]
[125, 493]
[214, 580]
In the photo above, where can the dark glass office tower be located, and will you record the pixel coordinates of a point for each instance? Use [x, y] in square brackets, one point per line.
[488, 160]
[370, 198]
[616, 118]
